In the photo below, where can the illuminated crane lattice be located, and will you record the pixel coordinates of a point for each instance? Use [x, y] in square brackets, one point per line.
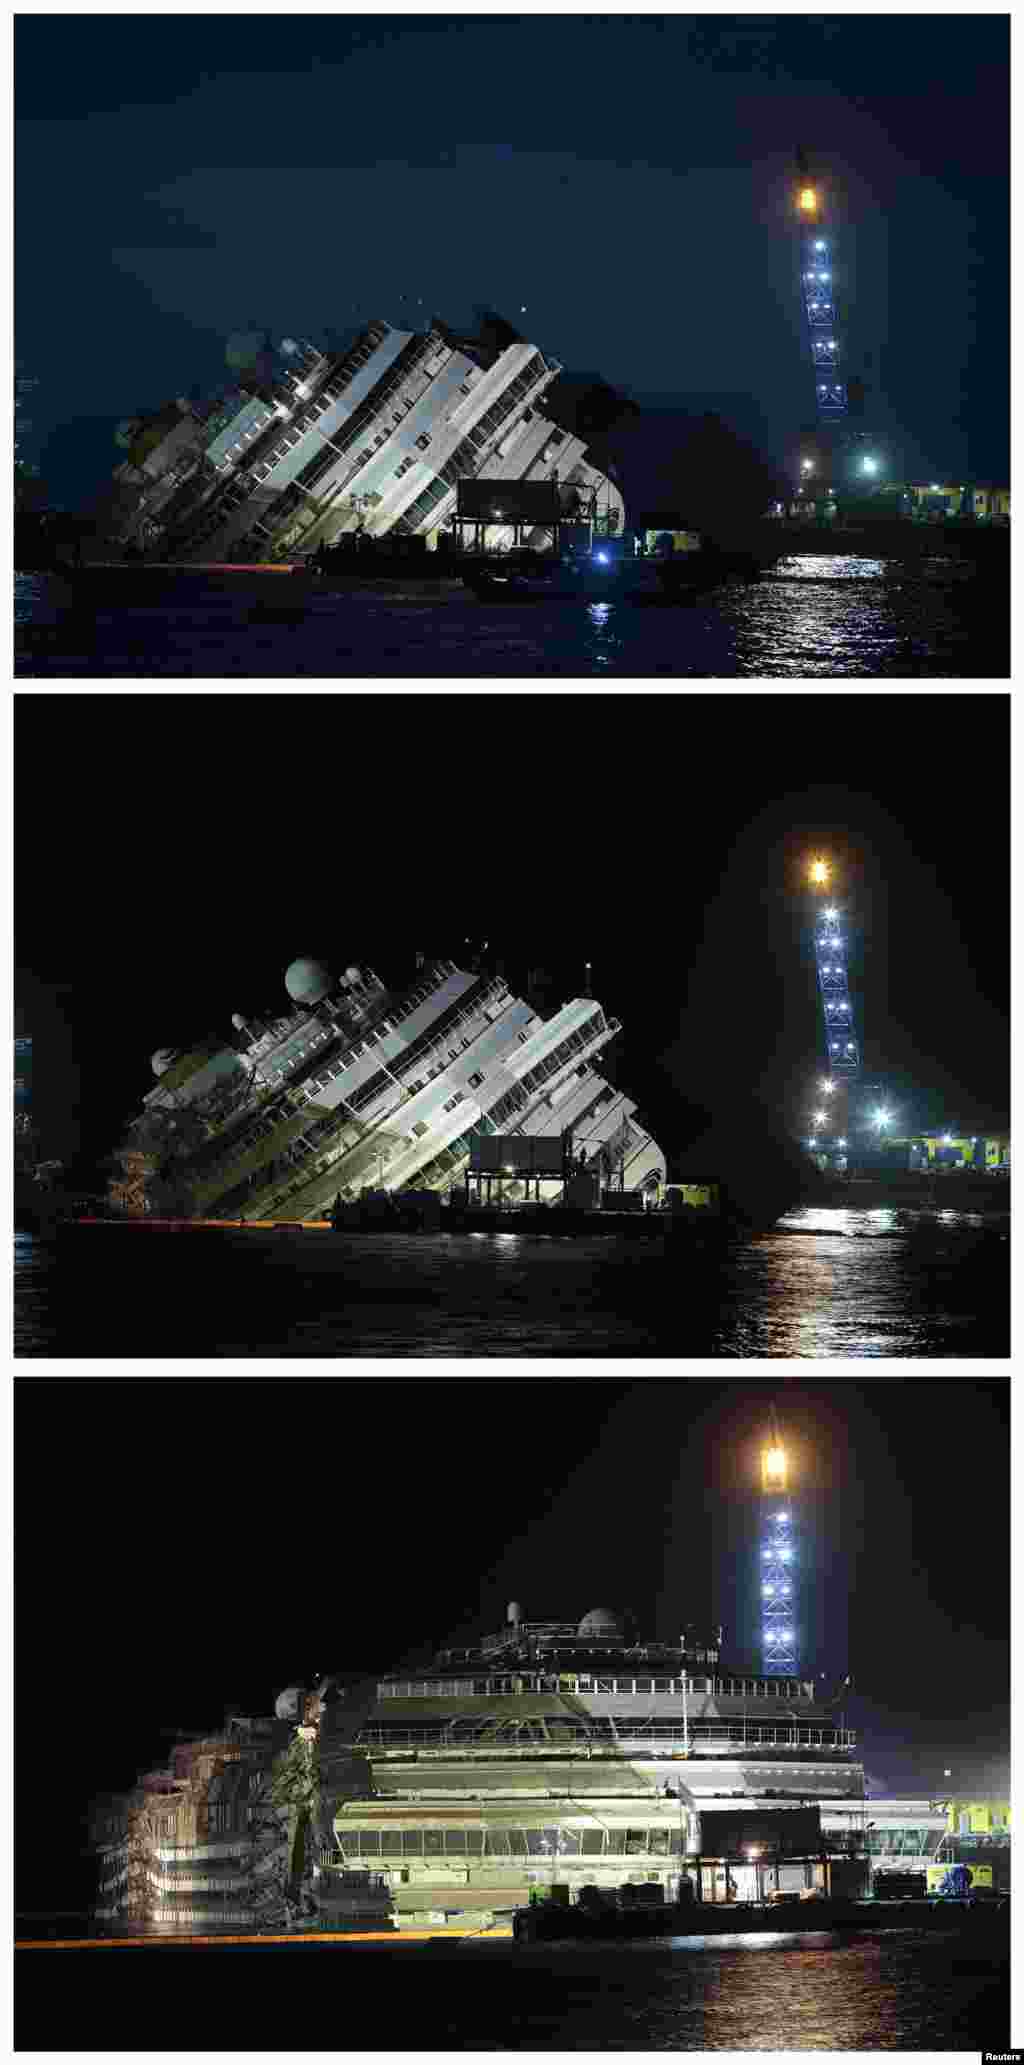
[818, 245]
[778, 1576]
[842, 1047]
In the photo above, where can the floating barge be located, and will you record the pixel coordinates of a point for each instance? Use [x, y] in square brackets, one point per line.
[551, 1921]
[557, 1222]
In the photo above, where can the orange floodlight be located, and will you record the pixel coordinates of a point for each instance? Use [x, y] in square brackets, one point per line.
[773, 1469]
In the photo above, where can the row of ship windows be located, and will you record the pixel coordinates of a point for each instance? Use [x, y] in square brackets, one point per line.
[462, 1688]
[370, 1038]
[465, 459]
[512, 1842]
[409, 361]
[572, 1044]
[346, 1058]
[465, 1008]
[329, 393]
[489, 1122]
[378, 1081]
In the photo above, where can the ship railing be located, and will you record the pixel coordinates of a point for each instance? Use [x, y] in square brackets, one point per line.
[509, 1734]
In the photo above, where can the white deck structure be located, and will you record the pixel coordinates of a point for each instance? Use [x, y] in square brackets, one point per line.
[377, 438]
[373, 1089]
[549, 1754]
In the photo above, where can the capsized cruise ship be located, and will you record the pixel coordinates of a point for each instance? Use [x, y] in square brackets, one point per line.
[547, 1754]
[374, 438]
[577, 1753]
[359, 1087]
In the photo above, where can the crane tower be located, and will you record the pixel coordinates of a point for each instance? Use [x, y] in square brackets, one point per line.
[838, 1092]
[777, 1556]
[818, 244]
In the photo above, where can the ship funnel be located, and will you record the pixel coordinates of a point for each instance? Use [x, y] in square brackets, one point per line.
[514, 1614]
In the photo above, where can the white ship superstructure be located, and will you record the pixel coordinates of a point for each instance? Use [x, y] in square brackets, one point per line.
[376, 438]
[361, 1088]
[550, 1754]
[572, 1753]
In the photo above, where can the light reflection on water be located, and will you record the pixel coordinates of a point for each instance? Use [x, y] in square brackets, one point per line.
[837, 1219]
[843, 566]
[918, 1994]
[843, 616]
[820, 1285]
[758, 1939]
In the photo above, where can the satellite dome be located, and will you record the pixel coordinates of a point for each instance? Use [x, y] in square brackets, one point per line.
[353, 975]
[238, 1021]
[307, 981]
[162, 1059]
[603, 1623]
[288, 1704]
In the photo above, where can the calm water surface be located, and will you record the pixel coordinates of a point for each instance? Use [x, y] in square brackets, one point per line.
[845, 616]
[823, 1283]
[898, 1992]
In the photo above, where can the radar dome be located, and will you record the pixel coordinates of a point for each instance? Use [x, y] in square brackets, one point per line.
[238, 1021]
[602, 1622]
[353, 975]
[307, 981]
[162, 1059]
[288, 1704]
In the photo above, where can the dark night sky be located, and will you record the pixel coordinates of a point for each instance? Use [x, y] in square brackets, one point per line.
[174, 854]
[184, 1545]
[179, 177]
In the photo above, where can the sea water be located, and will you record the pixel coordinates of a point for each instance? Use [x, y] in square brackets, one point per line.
[822, 1284]
[898, 1991]
[812, 617]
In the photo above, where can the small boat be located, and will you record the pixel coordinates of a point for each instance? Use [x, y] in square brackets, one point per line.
[527, 577]
[577, 581]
